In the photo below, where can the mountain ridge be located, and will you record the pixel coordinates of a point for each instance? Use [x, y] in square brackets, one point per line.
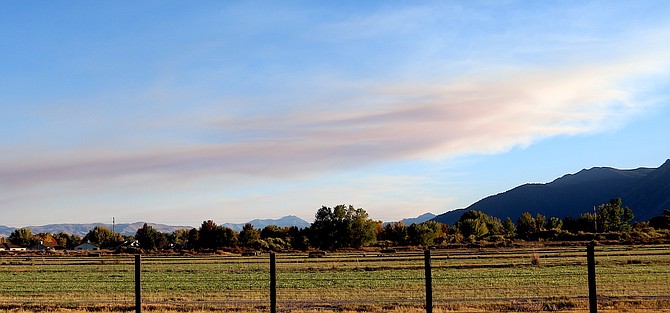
[419, 219]
[645, 190]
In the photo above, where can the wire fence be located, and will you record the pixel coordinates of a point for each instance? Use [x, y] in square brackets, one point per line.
[521, 279]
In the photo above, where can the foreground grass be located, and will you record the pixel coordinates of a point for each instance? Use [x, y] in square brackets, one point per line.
[631, 279]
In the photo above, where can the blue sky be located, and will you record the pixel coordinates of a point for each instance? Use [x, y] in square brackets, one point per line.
[179, 112]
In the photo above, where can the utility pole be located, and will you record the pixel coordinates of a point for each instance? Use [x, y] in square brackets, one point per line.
[113, 224]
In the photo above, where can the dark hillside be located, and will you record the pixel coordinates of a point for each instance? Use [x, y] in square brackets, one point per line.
[574, 194]
[651, 195]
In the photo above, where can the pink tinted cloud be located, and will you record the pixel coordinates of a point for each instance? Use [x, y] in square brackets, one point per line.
[425, 121]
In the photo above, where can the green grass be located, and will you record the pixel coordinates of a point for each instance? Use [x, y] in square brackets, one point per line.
[493, 278]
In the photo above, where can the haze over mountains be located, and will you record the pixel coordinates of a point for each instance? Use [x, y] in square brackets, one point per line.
[645, 190]
[82, 229]
[130, 229]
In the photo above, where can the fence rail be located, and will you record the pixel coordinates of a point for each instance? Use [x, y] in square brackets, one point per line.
[511, 278]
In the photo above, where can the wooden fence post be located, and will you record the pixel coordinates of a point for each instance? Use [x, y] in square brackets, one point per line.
[273, 284]
[429, 282]
[138, 283]
[591, 262]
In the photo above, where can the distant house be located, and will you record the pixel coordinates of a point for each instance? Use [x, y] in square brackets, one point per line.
[86, 246]
[8, 246]
[44, 246]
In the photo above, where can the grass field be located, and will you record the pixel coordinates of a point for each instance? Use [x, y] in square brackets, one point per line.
[529, 279]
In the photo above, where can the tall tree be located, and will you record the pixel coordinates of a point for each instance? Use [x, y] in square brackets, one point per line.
[103, 237]
[526, 226]
[555, 223]
[178, 238]
[22, 237]
[193, 241]
[249, 237]
[207, 235]
[66, 240]
[342, 227]
[362, 230]
[509, 227]
[425, 234]
[613, 217]
[395, 232]
[226, 237]
[478, 224]
[151, 239]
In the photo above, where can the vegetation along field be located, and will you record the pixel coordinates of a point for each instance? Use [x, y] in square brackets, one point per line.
[530, 278]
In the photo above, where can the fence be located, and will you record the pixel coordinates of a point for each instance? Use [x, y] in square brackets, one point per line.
[523, 279]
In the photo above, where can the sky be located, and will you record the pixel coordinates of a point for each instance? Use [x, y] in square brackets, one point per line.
[177, 112]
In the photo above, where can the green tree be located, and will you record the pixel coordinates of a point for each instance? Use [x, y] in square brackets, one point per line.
[342, 227]
[473, 228]
[555, 223]
[526, 226]
[478, 224]
[66, 240]
[395, 232]
[362, 230]
[179, 238]
[612, 217]
[249, 237]
[509, 227]
[424, 234]
[22, 237]
[226, 237]
[212, 236]
[540, 222]
[193, 241]
[207, 235]
[151, 239]
[299, 237]
[103, 237]
[274, 231]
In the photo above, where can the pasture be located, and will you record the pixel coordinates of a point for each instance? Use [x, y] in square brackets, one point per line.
[527, 279]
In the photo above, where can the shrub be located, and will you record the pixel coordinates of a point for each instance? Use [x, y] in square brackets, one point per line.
[535, 259]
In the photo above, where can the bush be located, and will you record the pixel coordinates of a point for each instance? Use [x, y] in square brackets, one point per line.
[535, 259]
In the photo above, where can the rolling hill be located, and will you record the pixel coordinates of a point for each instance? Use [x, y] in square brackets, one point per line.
[645, 190]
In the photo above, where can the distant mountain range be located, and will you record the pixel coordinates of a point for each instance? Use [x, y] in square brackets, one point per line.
[127, 229]
[645, 190]
[261, 223]
[419, 219]
[130, 229]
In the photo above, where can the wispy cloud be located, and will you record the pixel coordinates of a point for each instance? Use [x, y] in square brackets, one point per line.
[286, 97]
[409, 120]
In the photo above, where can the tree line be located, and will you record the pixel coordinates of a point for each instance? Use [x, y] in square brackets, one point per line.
[346, 227]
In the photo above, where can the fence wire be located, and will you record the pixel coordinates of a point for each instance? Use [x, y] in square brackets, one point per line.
[513, 278]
